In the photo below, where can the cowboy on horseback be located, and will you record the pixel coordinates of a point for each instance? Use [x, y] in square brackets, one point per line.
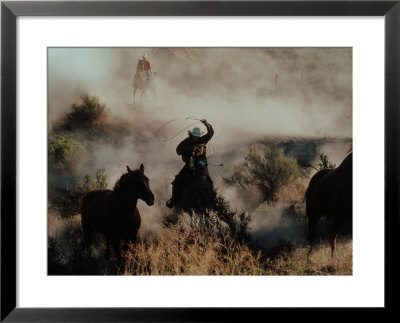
[143, 78]
[144, 66]
[192, 149]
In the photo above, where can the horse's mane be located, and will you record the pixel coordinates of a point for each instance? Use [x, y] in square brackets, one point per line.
[125, 178]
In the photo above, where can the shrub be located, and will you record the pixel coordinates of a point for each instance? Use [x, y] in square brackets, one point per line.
[55, 263]
[68, 201]
[90, 113]
[325, 162]
[67, 253]
[269, 170]
[221, 220]
[238, 224]
[293, 195]
[65, 154]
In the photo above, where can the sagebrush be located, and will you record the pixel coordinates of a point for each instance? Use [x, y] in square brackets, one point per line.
[65, 154]
[90, 113]
[267, 168]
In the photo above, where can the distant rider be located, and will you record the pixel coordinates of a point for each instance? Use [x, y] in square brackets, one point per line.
[144, 66]
[194, 145]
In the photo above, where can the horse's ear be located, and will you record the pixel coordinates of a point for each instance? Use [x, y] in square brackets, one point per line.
[129, 170]
[142, 168]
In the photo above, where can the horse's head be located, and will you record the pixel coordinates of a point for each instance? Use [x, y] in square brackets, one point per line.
[136, 181]
[143, 187]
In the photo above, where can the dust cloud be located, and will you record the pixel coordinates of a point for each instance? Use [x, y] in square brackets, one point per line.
[247, 94]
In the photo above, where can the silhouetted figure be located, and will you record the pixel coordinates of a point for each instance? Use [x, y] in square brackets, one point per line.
[193, 151]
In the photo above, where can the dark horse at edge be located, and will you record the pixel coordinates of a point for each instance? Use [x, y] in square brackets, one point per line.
[113, 213]
[330, 193]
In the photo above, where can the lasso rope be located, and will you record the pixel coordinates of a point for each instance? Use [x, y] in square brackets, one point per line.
[178, 133]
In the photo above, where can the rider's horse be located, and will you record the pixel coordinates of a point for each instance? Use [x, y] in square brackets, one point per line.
[113, 213]
[142, 80]
[330, 193]
[198, 195]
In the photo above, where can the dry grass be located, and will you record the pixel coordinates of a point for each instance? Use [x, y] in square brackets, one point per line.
[191, 252]
[319, 262]
[184, 251]
[294, 192]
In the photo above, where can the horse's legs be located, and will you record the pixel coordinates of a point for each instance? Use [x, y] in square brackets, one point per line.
[334, 231]
[312, 224]
[134, 95]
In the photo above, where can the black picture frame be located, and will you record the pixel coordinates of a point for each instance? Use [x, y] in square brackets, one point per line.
[10, 10]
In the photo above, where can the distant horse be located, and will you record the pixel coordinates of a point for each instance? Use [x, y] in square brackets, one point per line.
[113, 213]
[198, 195]
[142, 81]
[330, 193]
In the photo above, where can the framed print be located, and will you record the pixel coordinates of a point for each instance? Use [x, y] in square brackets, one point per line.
[156, 165]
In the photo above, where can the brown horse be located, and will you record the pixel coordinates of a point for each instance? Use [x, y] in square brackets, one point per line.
[113, 213]
[143, 81]
[330, 193]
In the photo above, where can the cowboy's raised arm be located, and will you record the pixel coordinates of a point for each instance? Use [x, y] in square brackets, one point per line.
[210, 132]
